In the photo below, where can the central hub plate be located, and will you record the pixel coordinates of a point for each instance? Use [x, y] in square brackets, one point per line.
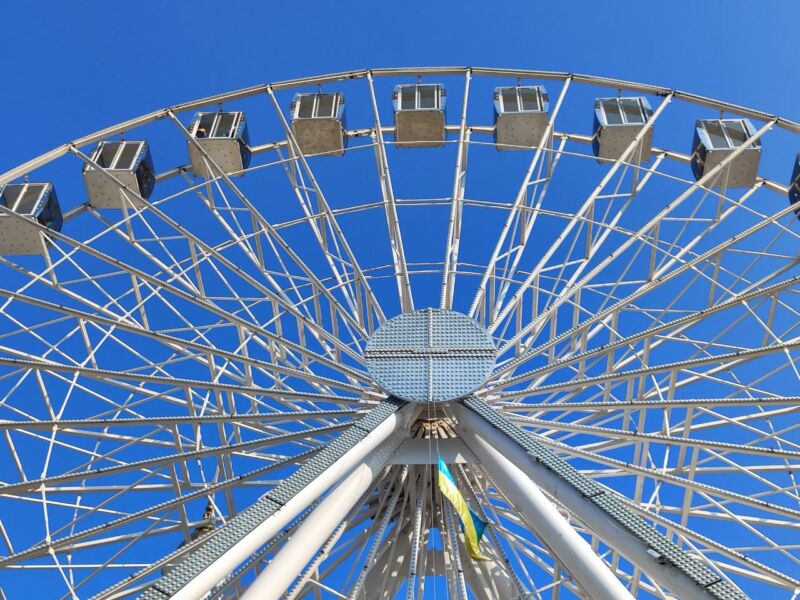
[430, 355]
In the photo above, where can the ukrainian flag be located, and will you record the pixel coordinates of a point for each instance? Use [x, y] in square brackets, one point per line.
[471, 524]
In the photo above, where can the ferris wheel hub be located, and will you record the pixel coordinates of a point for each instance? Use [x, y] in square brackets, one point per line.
[430, 355]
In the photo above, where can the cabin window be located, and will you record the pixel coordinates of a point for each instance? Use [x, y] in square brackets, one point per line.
[509, 98]
[529, 99]
[26, 205]
[322, 106]
[325, 105]
[419, 97]
[632, 110]
[108, 151]
[623, 111]
[225, 125]
[726, 134]
[205, 126]
[127, 156]
[427, 96]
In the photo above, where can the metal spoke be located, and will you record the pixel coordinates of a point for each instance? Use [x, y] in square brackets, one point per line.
[457, 199]
[392, 222]
[201, 394]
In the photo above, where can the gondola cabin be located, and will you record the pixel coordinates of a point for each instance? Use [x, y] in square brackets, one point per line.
[419, 115]
[223, 135]
[32, 200]
[520, 116]
[794, 186]
[716, 139]
[129, 162]
[617, 122]
[318, 123]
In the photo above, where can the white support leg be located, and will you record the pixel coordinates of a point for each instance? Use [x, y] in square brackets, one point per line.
[499, 455]
[492, 446]
[204, 581]
[317, 527]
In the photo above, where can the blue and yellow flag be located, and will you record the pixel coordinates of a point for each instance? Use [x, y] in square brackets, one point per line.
[471, 524]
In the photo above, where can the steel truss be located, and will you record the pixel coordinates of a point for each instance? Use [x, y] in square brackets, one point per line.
[185, 407]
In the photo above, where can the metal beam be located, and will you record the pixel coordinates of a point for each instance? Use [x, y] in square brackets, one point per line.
[640, 235]
[596, 506]
[317, 527]
[333, 224]
[377, 536]
[621, 434]
[581, 213]
[32, 486]
[392, 221]
[550, 526]
[69, 542]
[214, 557]
[417, 451]
[680, 322]
[520, 203]
[233, 95]
[450, 265]
[68, 424]
[180, 293]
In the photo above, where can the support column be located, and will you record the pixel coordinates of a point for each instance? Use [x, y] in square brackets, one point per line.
[213, 558]
[317, 527]
[514, 452]
[588, 569]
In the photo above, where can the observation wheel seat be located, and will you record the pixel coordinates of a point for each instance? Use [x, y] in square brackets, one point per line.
[318, 123]
[35, 201]
[520, 116]
[617, 122]
[224, 137]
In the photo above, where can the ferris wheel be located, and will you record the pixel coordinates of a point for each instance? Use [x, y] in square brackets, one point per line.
[445, 332]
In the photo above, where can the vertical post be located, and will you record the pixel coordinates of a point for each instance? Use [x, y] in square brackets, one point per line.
[452, 538]
[388, 512]
[419, 509]
[459, 182]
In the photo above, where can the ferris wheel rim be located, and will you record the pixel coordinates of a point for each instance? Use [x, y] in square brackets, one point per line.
[332, 284]
[610, 82]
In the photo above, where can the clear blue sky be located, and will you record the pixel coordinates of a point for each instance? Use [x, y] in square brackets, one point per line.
[73, 67]
[70, 68]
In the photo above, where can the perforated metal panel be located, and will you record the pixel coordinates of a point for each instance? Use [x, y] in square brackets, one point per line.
[430, 355]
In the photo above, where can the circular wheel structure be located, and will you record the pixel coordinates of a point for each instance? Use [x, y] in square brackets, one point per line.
[236, 343]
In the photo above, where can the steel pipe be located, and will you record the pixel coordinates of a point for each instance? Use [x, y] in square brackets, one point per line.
[514, 470]
[550, 526]
[204, 581]
[317, 527]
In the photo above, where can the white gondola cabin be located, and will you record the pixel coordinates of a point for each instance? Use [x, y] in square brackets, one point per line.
[419, 115]
[318, 123]
[617, 121]
[794, 186]
[716, 139]
[223, 135]
[35, 201]
[129, 162]
[520, 116]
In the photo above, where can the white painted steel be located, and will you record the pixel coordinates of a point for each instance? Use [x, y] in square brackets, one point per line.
[497, 455]
[224, 565]
[521, 477]
[315, 529]
[148, 363]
